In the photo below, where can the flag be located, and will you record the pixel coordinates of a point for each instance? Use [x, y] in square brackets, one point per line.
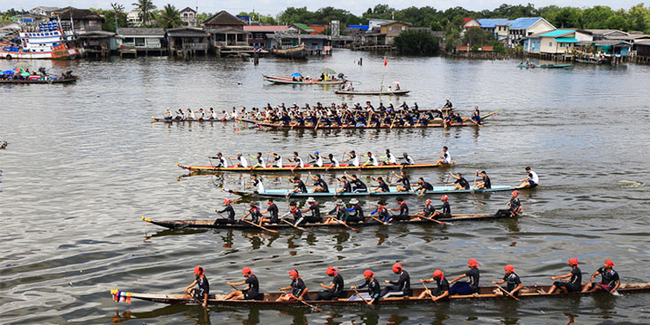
[385, 61]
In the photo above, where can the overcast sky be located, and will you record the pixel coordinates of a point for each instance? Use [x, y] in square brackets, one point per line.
[273, 7]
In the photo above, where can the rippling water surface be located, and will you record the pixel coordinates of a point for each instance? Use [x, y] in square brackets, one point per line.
[84, 163]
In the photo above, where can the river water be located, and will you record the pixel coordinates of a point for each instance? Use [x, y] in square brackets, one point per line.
[84, 163]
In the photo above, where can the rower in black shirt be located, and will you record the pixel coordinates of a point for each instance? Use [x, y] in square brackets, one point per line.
[229, 209]
[461, 182]
[423, 187]
[382, 187]
[382, 212]
[272, 209]
[468, 287]
[254, 212]
[574, 284]
[346, 188]
[446, 209]
[515, 205]
[401, 287]
[297, 287]
[441, 292]
[357, 216]
[357, 185]
[295, 213]
[250, 293]
[610, 281]
[374, 289]
[428, 210]
[485, 181]
[334, 290]
[299, 186]
[512, 280]
[404, 180]
[201, 292]
[319, 184]
[315, 211]
[403, 210]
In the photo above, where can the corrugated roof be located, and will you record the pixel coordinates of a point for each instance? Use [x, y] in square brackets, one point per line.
[275, 28]
[141, 31]
[224, 18]
[524, 22]
[566, 40]
[492, 22]
[304, 27]
[558, 32]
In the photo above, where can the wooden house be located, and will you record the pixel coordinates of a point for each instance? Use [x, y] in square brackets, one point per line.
[186, 41]
[141, 41]
[226, 33]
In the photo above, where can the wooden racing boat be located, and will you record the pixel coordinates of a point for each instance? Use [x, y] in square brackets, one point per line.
[373, 93]
[209, 224]
[292, 81]
[352, 299]
[173, 120]
[40, 81]
[289, 168]
[436, 123]
[393, 192]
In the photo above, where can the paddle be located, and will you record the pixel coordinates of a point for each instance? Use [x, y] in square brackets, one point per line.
[197, 301]
[318, 122]
[258, 226]
[306, 303]
[376, 219]
[362, 298]
[507, 292]
[295, 226]
[345, 224]
[430, 294]
[474, 186]
[436, 221]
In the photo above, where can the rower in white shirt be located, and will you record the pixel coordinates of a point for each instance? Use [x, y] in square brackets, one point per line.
[353, 158]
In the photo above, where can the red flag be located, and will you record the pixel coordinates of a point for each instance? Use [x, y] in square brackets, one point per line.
[385, 61]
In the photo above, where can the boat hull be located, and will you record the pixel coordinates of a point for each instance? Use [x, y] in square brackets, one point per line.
[39, 82]
[290, 81]
[53, 55]
[373, 93]
[290, 168]
[393, 192]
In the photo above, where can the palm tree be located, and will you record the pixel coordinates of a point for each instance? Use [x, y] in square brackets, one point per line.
[145, 7]
[169, 17]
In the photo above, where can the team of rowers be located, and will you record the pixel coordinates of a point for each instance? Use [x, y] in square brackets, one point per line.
[334, 115]
[296, 290]
[344, 214]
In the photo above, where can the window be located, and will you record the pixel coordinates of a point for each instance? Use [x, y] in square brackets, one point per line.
[139, 41]
[550, 43]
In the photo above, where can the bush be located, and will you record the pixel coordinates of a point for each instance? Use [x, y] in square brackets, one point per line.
[418, 42]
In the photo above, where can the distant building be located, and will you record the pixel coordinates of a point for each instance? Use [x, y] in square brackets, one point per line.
[258, 36]
[82, 20]
[43, 11]
[133, 18]
[510, 32]
[188, 17]
[393, 29]
[226, 31]
[187, 41]
[562, 41]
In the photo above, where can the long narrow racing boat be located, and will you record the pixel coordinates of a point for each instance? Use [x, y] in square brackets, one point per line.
[210, 224]
[302, 81]
[42, 80]
[352, 299]
[373, 92]
[173, 120]
[291, 168]
[393, 192]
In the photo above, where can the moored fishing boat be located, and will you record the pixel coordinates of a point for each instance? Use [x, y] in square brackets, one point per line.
[393, 192]
[292, 168]
[294, 52]
[210, 224]
[48, 42]
[554, 66]
[400, 92]
[301, 81]
[352, 299]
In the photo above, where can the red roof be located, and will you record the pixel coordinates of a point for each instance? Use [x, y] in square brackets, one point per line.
[270, 29]
[466, 19]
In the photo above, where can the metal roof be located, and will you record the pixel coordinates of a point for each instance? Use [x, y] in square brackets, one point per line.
[566, 40]
[492, 22]
[265, 28]
[558, 32]
[141, 31]
[524, 22]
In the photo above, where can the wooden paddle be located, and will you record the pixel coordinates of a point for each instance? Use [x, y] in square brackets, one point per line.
[436, 221]
[507, 292]
[362, 298]
[306, 303]
[258, 226]
[198, 301]
[318, 122]
[376, 219]
[345, 224]
[474, 186]
[430, 294]
[295, 226]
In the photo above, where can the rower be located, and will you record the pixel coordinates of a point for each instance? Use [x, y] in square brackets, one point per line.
[457, 119]
[476, 116]
[315, 211]
[404, 179]
[213, 114]
[403, 210]
[334, 290]
[277, 160]
[257, 184]
[295, 213]
[346, 188]
[180, 116]
[242, 162]
[423, 187]
[461, 182]
[574, 282]
[467, 287]
[428, 210]
[260, 160]
[203, 290]
[299, 186]
[358, 212]
[445, 157]
[251, 292]
[271, 208]
[382, 212]
[609, 279]
[191, 115]
[401, 287]
[202, 116]
[254, 212]
[167, 114]
[513, 282]
[358, 186]
[223, 163]
[231, 213]
[389, 158]
[319, 184]
[317, 160]
[446, 209]
[441, 292]
[374, 290]
[515, 205]
[485, 184]
[372, 160]
[382, 187]
[531, 180]
[333, 161]
[448, 105]
[297, 287]
[353, 158]
[297, 160]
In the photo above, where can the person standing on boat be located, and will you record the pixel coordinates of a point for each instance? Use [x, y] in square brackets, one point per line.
[353, 158]
[271, 208]
[445, 157]
[223, 163]
[467, 287]
[446, 209]
[374, 289]
[442, 290]
[229, 209]
[403, 210]
[251, 292]
[315, 211]
[514, 204]
[257, 184]
[461, 182]
[242, 162]
[260, 160]
[610, 281]
[372, 160]
[401, 287]
[297, 287]
[319, 184]
[334, 290]
[277, 160]
[382, 187]
[317, 160]
[448, 105]
[485, 183]
[574, 282]
[531, 180]
[513, 282]
[423, 187]
[203, 290]
[404, 180]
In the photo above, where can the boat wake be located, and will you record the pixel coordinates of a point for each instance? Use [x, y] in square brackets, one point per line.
[633, 184]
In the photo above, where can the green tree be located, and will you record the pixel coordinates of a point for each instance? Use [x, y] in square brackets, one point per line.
[417, 42]
[569, 17]
[146, 7]
[639, 18]
[114, 18]
[202, 17]
[477, 36]
[169, 17]
[596, 17]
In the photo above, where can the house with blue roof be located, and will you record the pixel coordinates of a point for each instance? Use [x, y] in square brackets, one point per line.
[562, 41]
[512, 32]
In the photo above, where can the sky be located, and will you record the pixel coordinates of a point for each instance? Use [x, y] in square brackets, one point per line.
[273, 7]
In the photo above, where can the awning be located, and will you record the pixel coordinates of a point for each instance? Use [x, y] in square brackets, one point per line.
[566, 40]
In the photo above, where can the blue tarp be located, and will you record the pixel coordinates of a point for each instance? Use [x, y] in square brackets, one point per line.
[296, 74]
[8, 72]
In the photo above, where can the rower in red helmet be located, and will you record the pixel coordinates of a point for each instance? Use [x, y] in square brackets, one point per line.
[203, 290]
[229, 209]
[251, 292]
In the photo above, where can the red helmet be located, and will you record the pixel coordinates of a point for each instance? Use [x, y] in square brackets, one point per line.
[331, 270]
[198, 269]
[609, 263]
[509, 268]
[438, 274]
[293, 273]
[226, 201]
[368, 273]
[473, 263]
[515, 193]
[397, 267]
[428, 201]
[444, 198]
[573, 261]
[247, 270]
